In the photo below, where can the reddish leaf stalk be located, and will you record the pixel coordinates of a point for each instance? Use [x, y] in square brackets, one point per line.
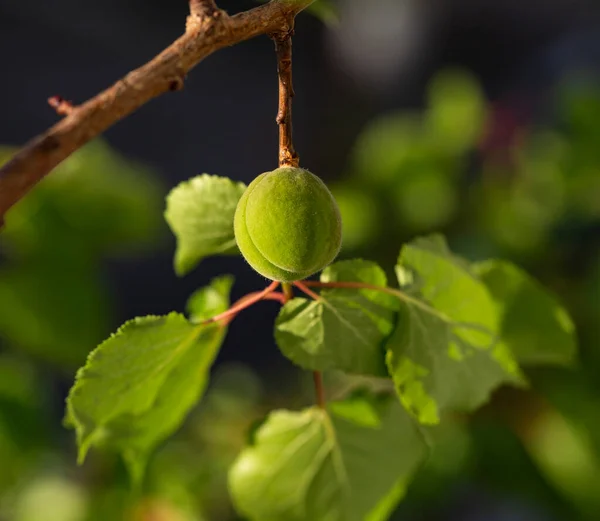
[302, 286]
[276, 295]
[319, 389]
[317, 375]
[349, 285]
[243, 303]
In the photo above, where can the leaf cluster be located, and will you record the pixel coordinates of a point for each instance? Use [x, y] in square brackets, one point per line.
[440, 341]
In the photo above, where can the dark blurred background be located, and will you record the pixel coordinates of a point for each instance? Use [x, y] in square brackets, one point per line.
[477, 118]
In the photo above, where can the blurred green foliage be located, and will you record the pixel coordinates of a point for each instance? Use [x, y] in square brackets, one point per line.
[325, 11]
[534, 200]
[53, 296]
[54, 307]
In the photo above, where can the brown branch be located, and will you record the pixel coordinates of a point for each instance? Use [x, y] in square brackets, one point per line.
[204, 35]
[283, 48]
[62, 106]
[201, 10]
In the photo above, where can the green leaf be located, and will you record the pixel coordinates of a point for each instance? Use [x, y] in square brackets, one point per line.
[138, 386]
[533, 325]
[444, 354]
[208, 302]
[345, 329]
[200, 213]
[305, 466]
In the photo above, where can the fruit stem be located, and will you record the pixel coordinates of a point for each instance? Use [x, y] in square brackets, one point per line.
[243, 303]
[283, 49]
[288, 291]
[319, 389]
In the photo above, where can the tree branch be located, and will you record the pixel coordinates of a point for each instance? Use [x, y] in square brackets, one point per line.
[62, 106]
[208, 29]
[201, 10]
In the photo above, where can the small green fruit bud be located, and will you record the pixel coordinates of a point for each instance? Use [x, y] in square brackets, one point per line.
[288, 225]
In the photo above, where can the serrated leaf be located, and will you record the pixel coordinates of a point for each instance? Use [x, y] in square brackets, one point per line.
[445, 354]
[533, 325]
[200, 213]
[305, 466]
[345, 329]
[138, 386]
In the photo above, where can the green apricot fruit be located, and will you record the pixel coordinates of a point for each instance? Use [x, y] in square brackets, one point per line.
[288, 225]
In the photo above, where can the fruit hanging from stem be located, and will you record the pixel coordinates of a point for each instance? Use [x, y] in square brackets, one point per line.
[288, 225]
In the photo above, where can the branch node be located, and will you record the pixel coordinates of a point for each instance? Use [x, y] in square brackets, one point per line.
[202, 14]
[177, 82]
[203, 7]
[62, 106]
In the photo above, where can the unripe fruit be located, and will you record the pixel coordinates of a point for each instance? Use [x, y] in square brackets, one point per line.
[287, 224]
